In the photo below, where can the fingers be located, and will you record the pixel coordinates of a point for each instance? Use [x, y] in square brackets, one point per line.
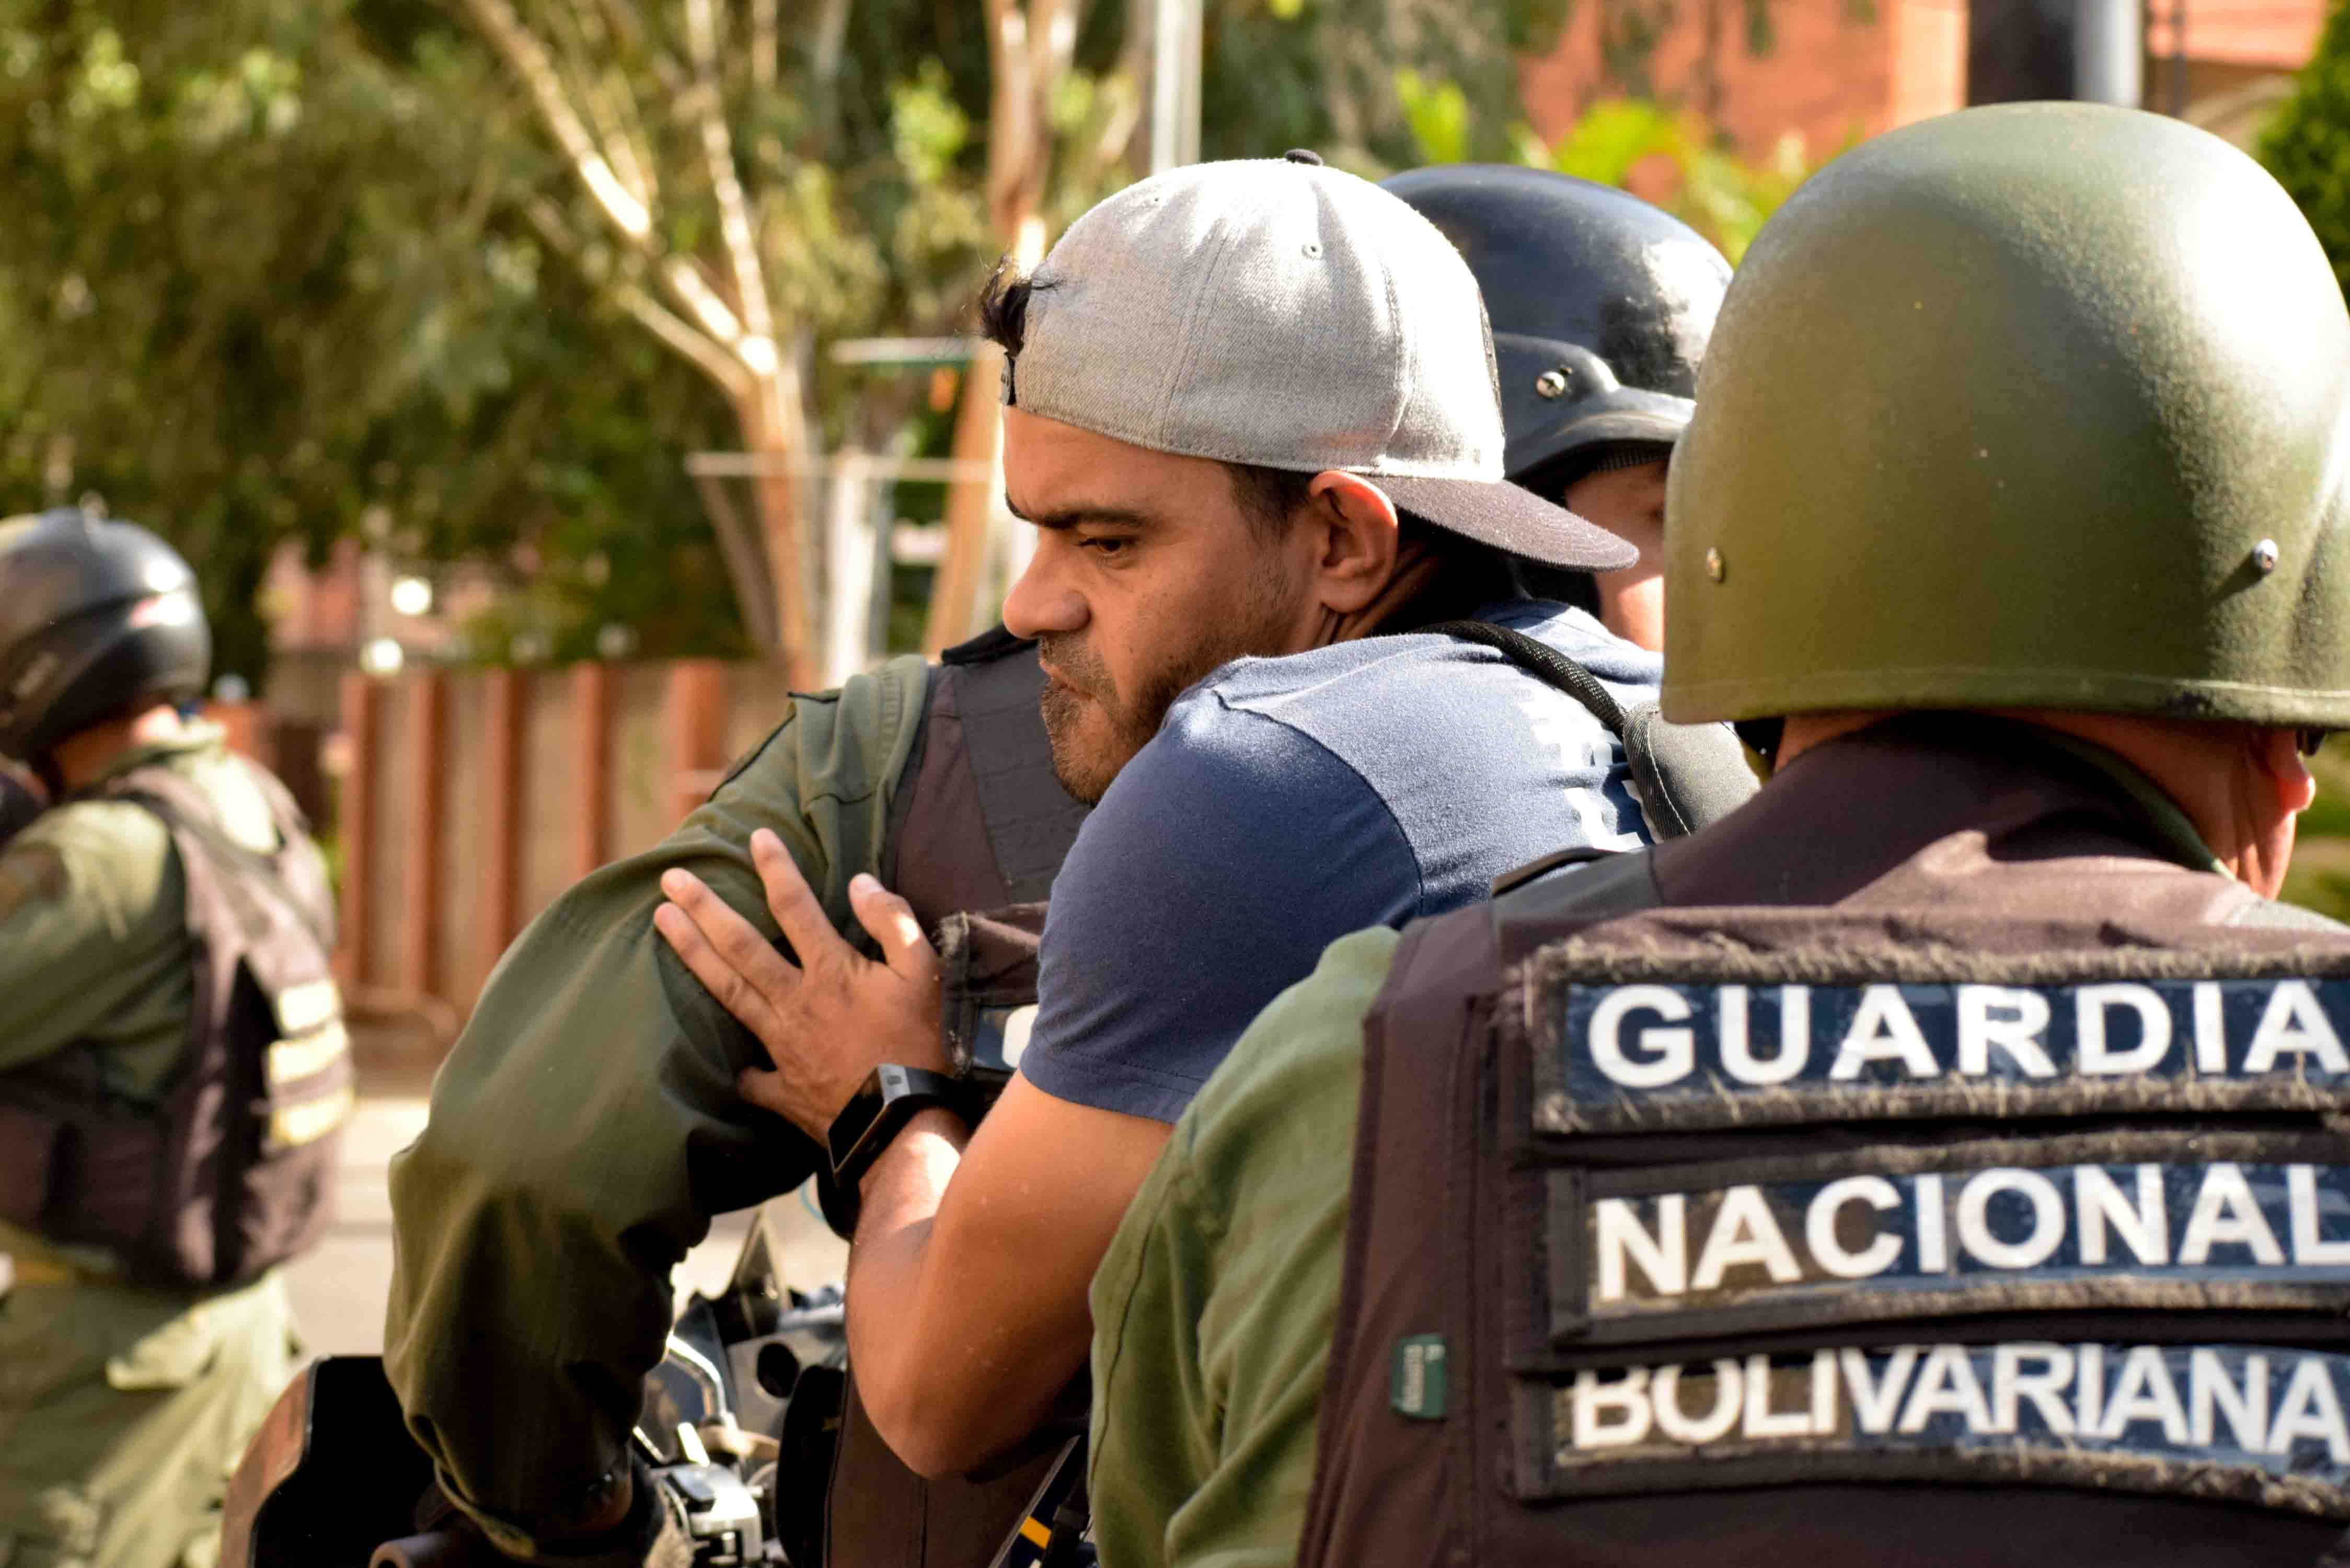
[796, 909]
[726, 983]
[889, 921]
[764, 1089]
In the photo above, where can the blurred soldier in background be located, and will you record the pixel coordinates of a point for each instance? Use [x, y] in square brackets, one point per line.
[1601, 307]
[1940, 1157]
[172, 1063]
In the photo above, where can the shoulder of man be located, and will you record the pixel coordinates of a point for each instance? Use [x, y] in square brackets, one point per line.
[847, 743]
[2272, 914]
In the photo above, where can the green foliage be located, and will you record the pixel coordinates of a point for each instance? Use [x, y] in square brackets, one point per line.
[1325, 73]
[1709, 187]
[2320, 876]
[258, 283]
[2307, 143]
[1438, 114]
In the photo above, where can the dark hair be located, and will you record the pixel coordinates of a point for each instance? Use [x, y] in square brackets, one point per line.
[1269, 497]
[1003, 305]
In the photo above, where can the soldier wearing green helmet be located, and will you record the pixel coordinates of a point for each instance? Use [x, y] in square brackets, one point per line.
[1939, 1158]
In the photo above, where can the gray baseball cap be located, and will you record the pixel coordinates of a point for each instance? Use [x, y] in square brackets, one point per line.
[1280, 312]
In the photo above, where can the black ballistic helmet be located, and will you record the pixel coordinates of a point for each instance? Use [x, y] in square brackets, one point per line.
[95, 616]
[1601, 306]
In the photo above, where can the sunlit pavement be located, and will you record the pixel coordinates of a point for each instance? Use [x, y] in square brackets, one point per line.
[340, 1285]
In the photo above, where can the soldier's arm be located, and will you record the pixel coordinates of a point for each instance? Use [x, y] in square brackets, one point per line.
[85, 913]
[1215, 1307]
[586, 1127]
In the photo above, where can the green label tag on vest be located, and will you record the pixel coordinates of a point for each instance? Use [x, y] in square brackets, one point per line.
[1417, 1390]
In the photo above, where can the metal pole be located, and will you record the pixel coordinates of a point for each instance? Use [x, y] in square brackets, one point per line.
[2108, 52]
[2178, 58]
[1175, 43]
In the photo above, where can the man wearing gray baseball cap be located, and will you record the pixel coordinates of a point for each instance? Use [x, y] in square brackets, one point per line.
[1251, 410]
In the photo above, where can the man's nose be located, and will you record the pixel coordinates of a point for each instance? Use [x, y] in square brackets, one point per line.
[1040, 603]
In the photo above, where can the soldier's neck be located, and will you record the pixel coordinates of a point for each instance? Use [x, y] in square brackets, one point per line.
[2240, 786]
[82, 758]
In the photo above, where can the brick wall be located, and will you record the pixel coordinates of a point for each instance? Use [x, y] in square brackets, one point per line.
[1836, 71]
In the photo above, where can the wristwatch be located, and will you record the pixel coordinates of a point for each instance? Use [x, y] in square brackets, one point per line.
[879, 1109]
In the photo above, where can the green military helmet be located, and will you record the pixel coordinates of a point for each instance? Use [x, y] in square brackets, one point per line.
[2038, 405]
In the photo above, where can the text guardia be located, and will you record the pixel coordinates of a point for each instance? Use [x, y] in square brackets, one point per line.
[1717, 1053]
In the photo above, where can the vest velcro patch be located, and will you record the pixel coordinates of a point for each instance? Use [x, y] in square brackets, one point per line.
[1911, 1232]
[1689, 1053]
[2261, 1425]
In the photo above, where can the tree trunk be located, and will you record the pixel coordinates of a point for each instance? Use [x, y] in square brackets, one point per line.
[979, 428]
[770, 429]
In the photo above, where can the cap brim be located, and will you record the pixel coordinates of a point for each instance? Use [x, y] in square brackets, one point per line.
[1499, 513]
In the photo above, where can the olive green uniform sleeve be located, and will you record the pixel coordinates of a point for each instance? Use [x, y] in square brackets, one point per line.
[1214, 1306]
[93, 942]
[586, 1127]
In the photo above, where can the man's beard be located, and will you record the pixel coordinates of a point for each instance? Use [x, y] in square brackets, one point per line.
[1094, 732]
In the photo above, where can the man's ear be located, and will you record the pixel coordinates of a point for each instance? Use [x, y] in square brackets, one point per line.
[2276, 755]
[1356, 537]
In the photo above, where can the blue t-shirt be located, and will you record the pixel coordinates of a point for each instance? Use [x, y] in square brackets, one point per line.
[1287, 801]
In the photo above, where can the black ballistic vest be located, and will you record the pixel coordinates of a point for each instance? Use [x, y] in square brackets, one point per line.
[1997, 1212]
[233, 1171]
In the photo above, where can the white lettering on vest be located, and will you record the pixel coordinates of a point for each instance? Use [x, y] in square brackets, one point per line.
[1875, 1401]
[1738, 1058]
[2045, 1386]
[2210, 1030]
[2047, 1218]
[2144, 1226]
[1615, 1414]
[1621, 1237]
[2144, 1394]
[1668, 1055]
[1947, 1385]
[2210, 1389]
[2013, 1021]
[2308, 1246]
[2225, 1214]
[1820, 1227]
[2094, 1003]
[2293, 1024]
[1761, 1421]
[1883, 1030]
[1744, 1232]
[1715, 1424]
[2310, 1409]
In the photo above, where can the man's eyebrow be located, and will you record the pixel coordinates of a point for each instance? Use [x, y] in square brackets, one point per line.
[1068, 517]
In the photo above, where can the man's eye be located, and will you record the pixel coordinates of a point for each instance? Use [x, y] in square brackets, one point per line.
[1104, 545]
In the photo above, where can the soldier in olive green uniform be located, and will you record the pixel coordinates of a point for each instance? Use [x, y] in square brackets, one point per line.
[2015, 498]
[122, 1403]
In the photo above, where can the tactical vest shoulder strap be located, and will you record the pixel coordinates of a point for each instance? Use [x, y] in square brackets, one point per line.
[980, 821]
[1684, 776]
[1385, 1486]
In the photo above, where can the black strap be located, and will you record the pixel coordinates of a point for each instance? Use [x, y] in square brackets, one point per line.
[1543, 662]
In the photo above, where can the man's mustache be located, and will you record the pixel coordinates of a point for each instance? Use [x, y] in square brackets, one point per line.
[1067, 660]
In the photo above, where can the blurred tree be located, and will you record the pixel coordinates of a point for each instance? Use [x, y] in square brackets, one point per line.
[2307, 143]
[257, 283]
[731, 190]
[747, 182]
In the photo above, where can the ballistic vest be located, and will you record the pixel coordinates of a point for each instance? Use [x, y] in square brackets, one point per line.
[233, 1172]
[977, 830]
[975, 839]
[1919, 1167]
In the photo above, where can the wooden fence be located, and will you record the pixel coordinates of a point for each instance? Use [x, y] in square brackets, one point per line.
[469, 800]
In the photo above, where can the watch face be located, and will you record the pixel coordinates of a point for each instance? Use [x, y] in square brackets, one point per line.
[856, 1116]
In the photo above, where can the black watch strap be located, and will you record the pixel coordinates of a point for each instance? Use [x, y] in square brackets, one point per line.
[880, 1110]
